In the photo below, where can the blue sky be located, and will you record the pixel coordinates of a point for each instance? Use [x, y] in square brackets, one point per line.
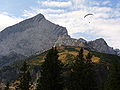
[16, 8]
[69, 13]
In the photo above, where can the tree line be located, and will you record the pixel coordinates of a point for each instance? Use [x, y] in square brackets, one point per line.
[81, 75]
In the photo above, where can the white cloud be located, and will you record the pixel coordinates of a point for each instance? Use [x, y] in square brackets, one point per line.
[106, 2]
[55, 3]
[105, 23]
[102, 23]
[95, 3]
[6, 20]
[77, 4]
[35, 11]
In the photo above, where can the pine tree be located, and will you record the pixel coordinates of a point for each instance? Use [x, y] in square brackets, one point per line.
[89, 79]
[25, 77]
[76, 77]
[83, 75]
[7, 86]
[51, 72]
[113, 82]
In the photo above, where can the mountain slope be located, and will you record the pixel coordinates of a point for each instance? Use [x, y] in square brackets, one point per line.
[36, 35]
[30, 36]
[66, 40]
[66, 55]
[100, 45]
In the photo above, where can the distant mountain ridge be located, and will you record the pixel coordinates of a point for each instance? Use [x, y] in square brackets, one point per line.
[98, 45]
[37, 34]
[101, 46]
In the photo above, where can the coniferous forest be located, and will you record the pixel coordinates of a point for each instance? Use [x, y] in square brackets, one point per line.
[80, 72]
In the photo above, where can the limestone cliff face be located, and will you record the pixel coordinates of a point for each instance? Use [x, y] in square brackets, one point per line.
[100, 45]
[30, 36]
[66, 40]
[117, 51]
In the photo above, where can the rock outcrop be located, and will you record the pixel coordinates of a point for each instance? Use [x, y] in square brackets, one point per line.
[66, 40]
[30, 36]
[100, 45]
[82, 40]
[117, 51]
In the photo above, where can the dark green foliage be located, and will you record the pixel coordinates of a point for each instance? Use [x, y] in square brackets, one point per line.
[51, 72]
[7, 86]
[70, 49]
[82, 77]
[90, 80]
[110, 58]
[89, 57]
[25, 77]
[113, 82]
[75, 81]
[80, 56]
[75, 69]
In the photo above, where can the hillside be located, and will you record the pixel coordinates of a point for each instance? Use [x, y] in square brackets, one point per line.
[36, 35]
[67, 55]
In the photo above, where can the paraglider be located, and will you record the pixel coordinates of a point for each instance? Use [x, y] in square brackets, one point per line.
[87, 15]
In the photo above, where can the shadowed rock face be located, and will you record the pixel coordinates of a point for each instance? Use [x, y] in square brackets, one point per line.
[118, 52]
[30, 36]
[82, 40]
[66, 40]
[101, 46]
[98, 45]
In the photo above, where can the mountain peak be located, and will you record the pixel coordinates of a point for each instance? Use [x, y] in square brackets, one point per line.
[82, 40]
[101, 46]
[100, 39]
[38, 17]
[30, 36]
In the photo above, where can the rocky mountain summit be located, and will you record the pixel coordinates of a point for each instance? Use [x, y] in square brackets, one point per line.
[82, 40]
[30, 36]
[101, 46]
[98, 45]
[37, 34]
[66, 40]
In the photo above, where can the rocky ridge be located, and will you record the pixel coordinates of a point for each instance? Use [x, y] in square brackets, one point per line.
[101, 46]
[98, 45]
[29, 36]
[37, 34]
[66, 40]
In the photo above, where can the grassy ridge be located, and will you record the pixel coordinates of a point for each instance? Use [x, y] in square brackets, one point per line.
[66, 55]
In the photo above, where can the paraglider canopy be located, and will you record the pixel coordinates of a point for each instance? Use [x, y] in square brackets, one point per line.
[87, 15]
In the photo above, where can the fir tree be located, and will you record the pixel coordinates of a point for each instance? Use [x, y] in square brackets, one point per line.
[51, 72]
[113, 82]
[83, 76]
[76, 77]
[89, 79]
[7, 86]
[25, 77]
